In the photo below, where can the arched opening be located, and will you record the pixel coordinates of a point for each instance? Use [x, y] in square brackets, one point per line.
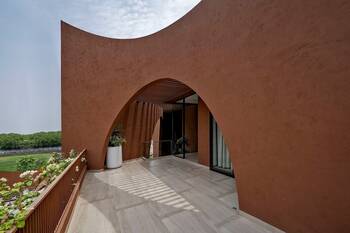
[168, 118]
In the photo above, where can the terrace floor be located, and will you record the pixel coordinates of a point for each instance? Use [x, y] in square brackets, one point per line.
[163, 195]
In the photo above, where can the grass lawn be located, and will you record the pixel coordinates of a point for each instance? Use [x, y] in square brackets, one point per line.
[8, 163]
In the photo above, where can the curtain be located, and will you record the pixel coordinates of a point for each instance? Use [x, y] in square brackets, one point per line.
[215, 148]
[220, 153]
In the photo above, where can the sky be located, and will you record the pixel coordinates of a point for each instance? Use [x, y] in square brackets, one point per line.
[30, 98]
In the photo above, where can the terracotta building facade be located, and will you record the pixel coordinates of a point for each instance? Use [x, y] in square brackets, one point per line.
[273, 74]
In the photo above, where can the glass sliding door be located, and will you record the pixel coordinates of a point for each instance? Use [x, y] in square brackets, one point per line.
[220, 156]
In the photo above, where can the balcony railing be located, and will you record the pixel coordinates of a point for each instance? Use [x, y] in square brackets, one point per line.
[52, 209]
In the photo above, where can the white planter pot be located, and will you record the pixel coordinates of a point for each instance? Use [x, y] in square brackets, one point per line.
[114, 157]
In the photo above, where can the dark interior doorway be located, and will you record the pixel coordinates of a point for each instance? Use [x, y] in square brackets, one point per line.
[170, 131]
[179, 130]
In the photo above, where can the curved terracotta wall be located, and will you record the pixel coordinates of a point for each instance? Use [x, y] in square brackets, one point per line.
[275, 75]
[203, 133]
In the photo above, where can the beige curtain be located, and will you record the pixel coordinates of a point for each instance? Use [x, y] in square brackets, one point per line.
[221, 155]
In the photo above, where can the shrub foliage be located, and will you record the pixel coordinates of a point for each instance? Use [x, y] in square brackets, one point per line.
[29, 163]
[36, 140]
[15, 200]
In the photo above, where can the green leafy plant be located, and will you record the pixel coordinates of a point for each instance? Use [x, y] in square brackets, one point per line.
[182, 140]
[179, 142]
[15, 199]
[116, 139]
[73, 153]
[29, 163]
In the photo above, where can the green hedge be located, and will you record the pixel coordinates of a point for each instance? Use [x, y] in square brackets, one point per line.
[36, 140]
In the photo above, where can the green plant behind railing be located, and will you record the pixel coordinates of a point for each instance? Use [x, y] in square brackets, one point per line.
[15, 199]
[29, 163]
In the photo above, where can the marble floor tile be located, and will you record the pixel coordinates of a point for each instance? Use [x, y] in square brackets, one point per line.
[165, 195]
[242, 225]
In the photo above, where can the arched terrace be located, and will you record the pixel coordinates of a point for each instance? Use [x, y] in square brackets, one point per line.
[273, 73]
[174, 185]
[181, 114]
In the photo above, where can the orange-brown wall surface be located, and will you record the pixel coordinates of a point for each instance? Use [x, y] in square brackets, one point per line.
[203, 133]
[274, 74]
[138, 120]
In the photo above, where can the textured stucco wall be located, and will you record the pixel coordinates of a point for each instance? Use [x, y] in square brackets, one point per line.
[275, 75]
[203, 133]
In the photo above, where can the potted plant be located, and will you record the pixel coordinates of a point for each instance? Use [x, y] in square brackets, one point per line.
[180, 142]
[114, 152]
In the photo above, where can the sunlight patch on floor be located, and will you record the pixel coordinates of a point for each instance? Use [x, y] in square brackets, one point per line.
[145, 185]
